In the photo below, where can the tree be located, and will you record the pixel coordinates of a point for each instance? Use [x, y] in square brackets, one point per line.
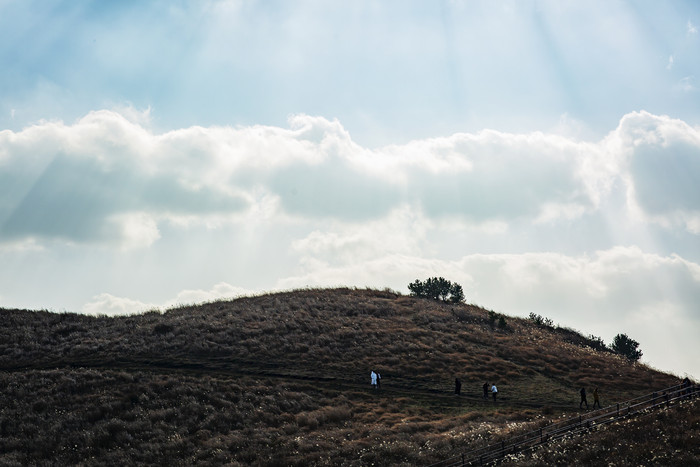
[623, 345]
[456, 293]
[437, 288]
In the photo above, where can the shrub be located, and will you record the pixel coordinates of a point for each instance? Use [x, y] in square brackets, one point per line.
[437, 288]
[540, 320]
[595, 342]
[492, 317]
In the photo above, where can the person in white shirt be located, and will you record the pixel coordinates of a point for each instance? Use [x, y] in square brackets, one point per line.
[373, 378]
[494, 391]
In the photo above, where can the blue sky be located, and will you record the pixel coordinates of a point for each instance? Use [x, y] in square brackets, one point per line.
[542, 154]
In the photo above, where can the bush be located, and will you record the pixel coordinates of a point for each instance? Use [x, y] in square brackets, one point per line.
[502, 323]
[623, 345]
[541, 320]
[492, 317]
[437, 288]
[595, 342]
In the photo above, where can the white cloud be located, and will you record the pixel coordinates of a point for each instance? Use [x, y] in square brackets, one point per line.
[136, 229]
[219, 291]
[403, 231]
[623, 279]
[109, 305]
[107, 178]
[687, 84]
[691, 30]
[660, 163]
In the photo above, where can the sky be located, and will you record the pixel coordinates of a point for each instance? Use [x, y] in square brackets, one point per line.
[543, 154]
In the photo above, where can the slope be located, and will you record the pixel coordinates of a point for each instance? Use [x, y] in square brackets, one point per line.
[285, 378]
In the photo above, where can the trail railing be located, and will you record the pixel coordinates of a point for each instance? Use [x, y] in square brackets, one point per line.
[554, 431]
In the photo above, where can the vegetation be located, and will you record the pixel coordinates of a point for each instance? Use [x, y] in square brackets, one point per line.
[653, 438]
[437, 288]
[590, 340]
[627, 347]
[496, 318]
[283, 379]
[541, 320]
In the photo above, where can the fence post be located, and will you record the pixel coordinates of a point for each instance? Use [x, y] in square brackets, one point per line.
[618, 409]
[541, 439]
[462, 459]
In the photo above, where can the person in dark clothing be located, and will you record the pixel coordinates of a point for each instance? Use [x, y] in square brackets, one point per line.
[596, 400]
[458, 386]
[583, 399]
[486, 390]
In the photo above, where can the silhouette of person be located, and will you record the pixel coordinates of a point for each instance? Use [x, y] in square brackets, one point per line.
[458, 386]
[595, 398]
[373, 379]
[494, 391]
[486, 390]
[583, 399]
[379, 380]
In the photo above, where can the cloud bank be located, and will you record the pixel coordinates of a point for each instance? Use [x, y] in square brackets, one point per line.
[106, 178]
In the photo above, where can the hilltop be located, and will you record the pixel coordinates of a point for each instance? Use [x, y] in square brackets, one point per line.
[283, 379]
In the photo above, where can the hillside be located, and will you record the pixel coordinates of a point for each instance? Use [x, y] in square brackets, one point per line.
[284, 379]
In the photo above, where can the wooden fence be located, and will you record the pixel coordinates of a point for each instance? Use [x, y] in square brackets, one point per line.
[554, 431]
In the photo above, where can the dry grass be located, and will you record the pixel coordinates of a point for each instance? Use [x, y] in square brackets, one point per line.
[283, 379]
[657, 437]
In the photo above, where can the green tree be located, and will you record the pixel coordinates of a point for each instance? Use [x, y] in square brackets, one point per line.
[456, 293]
[437, 288]
[623, 345]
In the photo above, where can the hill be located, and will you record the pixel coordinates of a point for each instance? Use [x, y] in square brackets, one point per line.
[283, 379]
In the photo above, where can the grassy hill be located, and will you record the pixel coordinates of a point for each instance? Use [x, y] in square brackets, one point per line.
[283, 379]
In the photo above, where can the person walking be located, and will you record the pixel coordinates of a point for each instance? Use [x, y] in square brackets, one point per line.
[494, 391]
[595, 398]
[458, 386]
[379, 381]
[486, 390]
[373, 379]
[583, 399]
